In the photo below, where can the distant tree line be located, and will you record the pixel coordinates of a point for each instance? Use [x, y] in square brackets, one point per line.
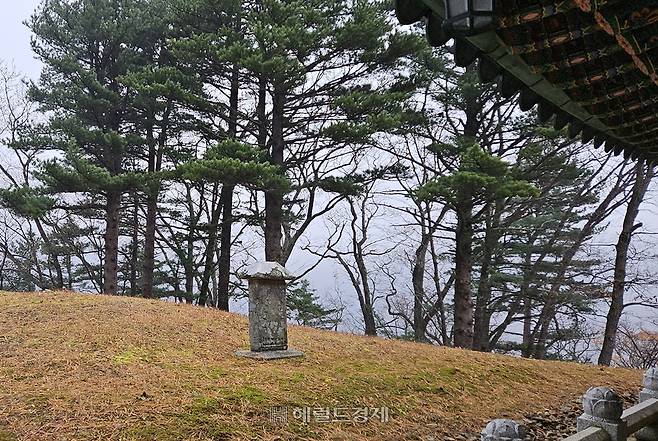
[169, 142]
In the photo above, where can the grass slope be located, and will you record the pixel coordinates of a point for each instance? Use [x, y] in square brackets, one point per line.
[112, 368]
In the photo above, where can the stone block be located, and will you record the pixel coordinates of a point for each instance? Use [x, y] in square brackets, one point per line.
[504, 430]
[270, 355]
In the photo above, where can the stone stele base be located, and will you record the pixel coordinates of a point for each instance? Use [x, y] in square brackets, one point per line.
[270, 355]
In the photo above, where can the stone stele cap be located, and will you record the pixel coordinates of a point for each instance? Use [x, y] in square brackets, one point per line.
[267, 270]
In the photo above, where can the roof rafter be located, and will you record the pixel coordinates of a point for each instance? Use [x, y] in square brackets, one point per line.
[589, 63]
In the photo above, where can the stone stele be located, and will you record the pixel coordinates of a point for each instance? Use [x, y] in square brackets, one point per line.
[268, 326]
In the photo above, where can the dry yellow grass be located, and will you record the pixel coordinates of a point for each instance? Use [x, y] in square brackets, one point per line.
[76, 367]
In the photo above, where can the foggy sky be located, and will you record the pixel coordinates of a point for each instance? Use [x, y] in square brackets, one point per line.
[15, 36]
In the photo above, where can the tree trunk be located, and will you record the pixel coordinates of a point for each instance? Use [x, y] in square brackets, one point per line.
[527, 327]
[547, 314]
[110, 266]
[463, 327]
[540, 334]
[274, 198]
[367, 302]
[482, 316]
[149, 244]
[224, 264]
[463, 319]
[189, 285]
[69, 271]
[527, 308]
[642, 181]
[189, 254]
[211, 246]
[417, 280]
[224, 261]
[156, 151]
[54, 257]
[369, 319]
[134, 247]
[440, 305]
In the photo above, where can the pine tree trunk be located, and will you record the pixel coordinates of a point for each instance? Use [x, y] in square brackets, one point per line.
[367, 300]
[156, 151]
[527, 308]
[189, 285]
[189, 255]
[527, 327]
[642, 181]
[440, 305]
[224, 261]
[2, 271]
[463, 327]
[538, 341]
[274, 198]
[211, 247]
[149, 244]
[69, 270]
[273, 226]
[134, 254]
[482, 316]
[417, 280]
[463, 314]
[54, 257]
[110, 266]
[224, 264]
[617, 299]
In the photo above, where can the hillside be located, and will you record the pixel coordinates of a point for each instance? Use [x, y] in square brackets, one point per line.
[112, 368]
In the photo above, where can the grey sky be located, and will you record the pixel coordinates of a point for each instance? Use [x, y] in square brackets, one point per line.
[15, 37]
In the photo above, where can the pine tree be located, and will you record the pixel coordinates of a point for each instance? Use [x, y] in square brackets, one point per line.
[479, 178]
[89, 48]
[211, 32]
[305, 309]
[294, 58]
[167, 92]
[527, 258]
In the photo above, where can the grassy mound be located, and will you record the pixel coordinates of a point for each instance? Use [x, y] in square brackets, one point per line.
[111, 368]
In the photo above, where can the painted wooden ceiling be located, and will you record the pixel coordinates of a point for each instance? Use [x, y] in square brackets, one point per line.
[588, 64]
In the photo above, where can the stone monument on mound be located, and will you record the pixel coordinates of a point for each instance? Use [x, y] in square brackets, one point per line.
[268, 325]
